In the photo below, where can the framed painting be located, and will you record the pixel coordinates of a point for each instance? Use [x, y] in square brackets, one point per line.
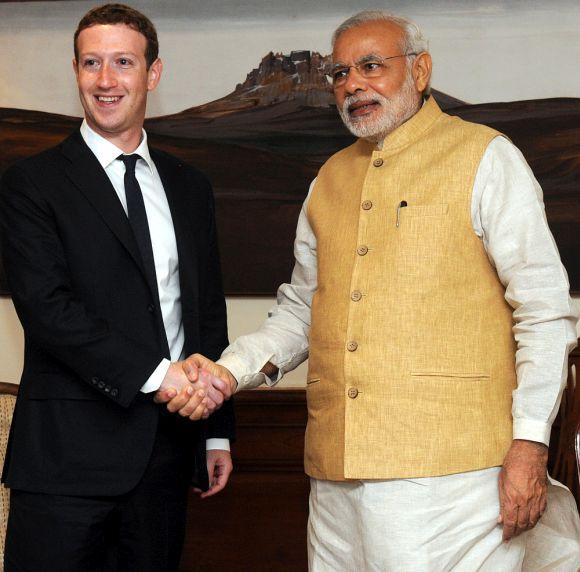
[262, 140]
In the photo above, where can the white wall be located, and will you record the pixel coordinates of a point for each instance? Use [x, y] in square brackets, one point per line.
[483, 51]
[244, 315]
[11, 343]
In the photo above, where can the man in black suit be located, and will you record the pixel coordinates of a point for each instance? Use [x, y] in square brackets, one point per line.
[111, 254]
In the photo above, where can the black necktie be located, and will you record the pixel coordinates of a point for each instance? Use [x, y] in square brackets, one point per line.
[138, 219]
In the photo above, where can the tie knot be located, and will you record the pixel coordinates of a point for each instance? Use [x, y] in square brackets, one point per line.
[130, 161]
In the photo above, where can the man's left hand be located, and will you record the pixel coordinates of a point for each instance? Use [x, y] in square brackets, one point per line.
[219, 468]
[523, 484]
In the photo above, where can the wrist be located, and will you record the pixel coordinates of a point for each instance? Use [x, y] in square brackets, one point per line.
[532, 450]
[535, 445]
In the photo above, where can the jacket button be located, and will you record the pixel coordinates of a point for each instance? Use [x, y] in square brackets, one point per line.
[101, 385]
[367, 205]
[94, 380]
[107, 388]
[362, 250]
[352, 392]
[378, 162]
[356, 296]
[151, 308]
[351, 346]
[114, 392]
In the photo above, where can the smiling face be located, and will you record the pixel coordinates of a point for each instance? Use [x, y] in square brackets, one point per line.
[113, 81]
[373, 107]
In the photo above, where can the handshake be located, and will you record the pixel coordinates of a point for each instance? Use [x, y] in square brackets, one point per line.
[195, 387]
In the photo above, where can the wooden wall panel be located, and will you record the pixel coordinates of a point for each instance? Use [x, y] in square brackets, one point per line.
[564, 456]
[258, 522]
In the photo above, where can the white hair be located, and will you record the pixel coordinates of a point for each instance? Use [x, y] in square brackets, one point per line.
[413, 40]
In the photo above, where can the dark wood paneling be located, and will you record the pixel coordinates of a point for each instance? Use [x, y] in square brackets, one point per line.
[258, 522]
[564, 447]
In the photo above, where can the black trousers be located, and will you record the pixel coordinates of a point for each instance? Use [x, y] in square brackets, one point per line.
[142, 530]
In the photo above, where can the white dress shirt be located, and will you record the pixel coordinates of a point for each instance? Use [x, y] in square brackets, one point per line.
[508, 215]
[162, 241]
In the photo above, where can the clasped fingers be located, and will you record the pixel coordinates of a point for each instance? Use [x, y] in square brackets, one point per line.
[196, 406]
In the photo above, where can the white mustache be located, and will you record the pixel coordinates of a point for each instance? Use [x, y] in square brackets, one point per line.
[353, 99]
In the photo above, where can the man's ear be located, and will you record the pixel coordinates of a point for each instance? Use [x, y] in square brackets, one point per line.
[154, 74]
[422, 67]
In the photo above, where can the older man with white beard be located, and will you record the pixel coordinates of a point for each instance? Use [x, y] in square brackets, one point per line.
[431, 300]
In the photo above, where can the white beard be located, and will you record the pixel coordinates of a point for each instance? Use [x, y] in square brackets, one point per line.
[394, 111]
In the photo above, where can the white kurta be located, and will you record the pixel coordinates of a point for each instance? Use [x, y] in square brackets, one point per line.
[434, 524]
[449, 522]
[508, 215]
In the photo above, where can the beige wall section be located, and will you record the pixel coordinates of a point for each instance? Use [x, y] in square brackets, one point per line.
[244, 316]
[11, 343]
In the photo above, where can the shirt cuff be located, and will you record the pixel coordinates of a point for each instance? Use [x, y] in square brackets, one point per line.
[246, 378]
[531, 430]
[221, 444]
[156, 378]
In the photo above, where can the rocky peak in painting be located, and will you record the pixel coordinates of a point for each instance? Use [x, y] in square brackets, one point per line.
[279, 77]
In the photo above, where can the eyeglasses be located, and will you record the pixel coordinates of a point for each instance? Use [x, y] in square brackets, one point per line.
[367, 67]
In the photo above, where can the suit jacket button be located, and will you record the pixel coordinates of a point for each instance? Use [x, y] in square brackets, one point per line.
[353, 392]
[114, 392]
[378, 162]
[94, 380]
[151, 308]
[352, 346]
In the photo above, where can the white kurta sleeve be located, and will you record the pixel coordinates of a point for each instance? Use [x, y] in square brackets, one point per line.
[283, 337]
[508, 214]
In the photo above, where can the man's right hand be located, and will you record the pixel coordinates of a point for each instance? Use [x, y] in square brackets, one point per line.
[223, 380]
[194, 400]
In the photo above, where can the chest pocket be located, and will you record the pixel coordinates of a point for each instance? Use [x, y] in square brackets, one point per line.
[423, 238]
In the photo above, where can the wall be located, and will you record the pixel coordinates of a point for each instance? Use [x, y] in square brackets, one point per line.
[492, 51]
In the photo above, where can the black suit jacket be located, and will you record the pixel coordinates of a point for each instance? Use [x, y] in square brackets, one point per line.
[92, 324]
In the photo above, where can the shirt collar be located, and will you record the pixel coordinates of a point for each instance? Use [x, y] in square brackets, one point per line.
[106, 152]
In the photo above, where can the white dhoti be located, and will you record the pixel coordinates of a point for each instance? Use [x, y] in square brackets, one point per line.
[434, 524]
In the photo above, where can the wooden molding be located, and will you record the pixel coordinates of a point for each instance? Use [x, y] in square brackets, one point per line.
[10, 388]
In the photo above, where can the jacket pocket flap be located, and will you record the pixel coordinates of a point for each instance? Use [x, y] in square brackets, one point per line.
[450, 375]
[425, 210]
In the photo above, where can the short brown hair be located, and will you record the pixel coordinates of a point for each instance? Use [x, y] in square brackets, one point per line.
[121, 14]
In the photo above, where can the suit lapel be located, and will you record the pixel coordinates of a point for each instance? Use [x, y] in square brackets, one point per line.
[173, 179]
[89, 177]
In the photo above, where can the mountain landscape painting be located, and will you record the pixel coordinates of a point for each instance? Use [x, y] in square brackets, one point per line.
[262, 145]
